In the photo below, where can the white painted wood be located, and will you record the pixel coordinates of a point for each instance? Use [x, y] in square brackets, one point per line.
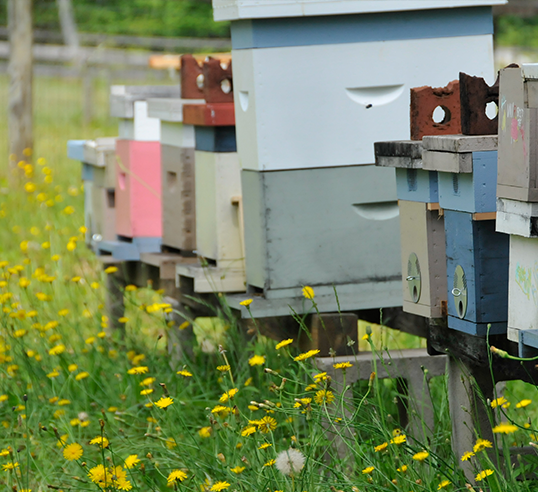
[177, 134]
[251, 9]
[523, 284]
[312, 106]
[460, 143]
[122, 97]
[516, 218]
[218, 233]
[213, 279]
[98, 152]
[146, 129]
[447, 162]
[169, 109]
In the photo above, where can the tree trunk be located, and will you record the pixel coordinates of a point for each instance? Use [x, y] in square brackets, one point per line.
[20, 80]
[69, 27]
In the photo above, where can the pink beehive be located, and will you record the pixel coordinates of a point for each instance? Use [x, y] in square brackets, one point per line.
[138, 189]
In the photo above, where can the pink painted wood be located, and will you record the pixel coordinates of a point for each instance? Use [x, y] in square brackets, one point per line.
[138, 189]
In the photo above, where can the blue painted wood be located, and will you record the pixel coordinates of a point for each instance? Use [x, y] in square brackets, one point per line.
[361, 28]
[417, 185]
[119, 250]
[75, 149]
[477, 329]
[471, 192]
[215, 138]
[483, 255]
[87, 172]
[148, 244]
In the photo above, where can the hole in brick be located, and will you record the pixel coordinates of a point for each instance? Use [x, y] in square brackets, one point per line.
[226, 86]
[200, 81]
[441, 115]
[491, 110]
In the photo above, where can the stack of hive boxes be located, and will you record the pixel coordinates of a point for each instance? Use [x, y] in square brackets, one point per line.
[517, 192]
[138, 172]
[316, 83]
[218, 201]
[98, 175]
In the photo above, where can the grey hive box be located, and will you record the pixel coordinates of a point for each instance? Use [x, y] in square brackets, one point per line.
[518, 133]
[467, 170]
[329, 228]
[517, 218]
[423, 259]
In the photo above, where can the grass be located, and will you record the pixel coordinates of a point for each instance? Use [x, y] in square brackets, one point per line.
[84, 407]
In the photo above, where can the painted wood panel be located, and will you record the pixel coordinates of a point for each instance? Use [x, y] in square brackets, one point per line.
[215, 138]
[320, 227]
[519, 218]
[417, 185]
[477, 273]
[423, 237]
[169, 109]
[178, 197]
[471, 192]
[518, 133]
[523, 286]
[291, 115]
[123, 97]
[218, 221]
[138, 190]
[177, 134]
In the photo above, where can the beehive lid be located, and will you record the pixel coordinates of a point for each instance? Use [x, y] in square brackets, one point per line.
[260, 9]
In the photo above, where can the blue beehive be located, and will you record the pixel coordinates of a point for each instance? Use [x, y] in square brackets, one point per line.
[477, 271]
[215, 138]
[467, 170]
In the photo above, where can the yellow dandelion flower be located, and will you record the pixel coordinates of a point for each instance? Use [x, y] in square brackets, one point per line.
[482, 444]
[131, 288]
[306, 355]
[270, 463]
[248, 382]
[498, 402]
[523, 403]
[90, 340]
[123, 320]
[164, 402]
[217, 487]
[53, 374]
[131, 461]
[467, 455]
[284, 343]
[72, 367]
[401, 439]
[324, 396]
[176, 476]
[483, 474]
[184, 373]
[443, 484]
[146, 392]
[101, 441]
[246, 302]
[257, 360]
[73, 452]
[381, 447]
[138, 370]
[205, 432]
[504, 428]
[223, 368]
[421, 456]
[147, 382]
[343, 365]
[368, 470]
[238, 469]
[82, 375]
[57, 350]
[247, 431]
[308, 292]
[228, 395]
[64, 402]
[266, 424]
[111, 269]
[322, 376]
[402, 469]
[10, 466]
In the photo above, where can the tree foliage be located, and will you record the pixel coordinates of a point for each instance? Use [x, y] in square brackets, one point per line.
[174, 18]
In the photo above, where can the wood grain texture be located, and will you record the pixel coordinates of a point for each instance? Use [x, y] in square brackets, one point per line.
[447, 162]
[473, 192]
[178, 197]
[458, 144]
[483, 255]
[216, 114]
[218, 235]
[423, 233]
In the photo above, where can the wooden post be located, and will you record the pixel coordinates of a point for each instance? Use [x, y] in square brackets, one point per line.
[20, 78]
[69, 27]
